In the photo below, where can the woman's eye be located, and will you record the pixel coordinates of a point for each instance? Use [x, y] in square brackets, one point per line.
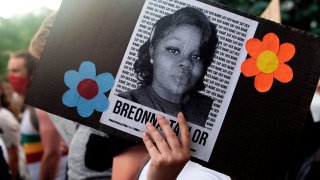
[173, 50]
[196, 57]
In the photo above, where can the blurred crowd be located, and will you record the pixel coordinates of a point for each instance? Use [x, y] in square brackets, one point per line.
[37, 145]
[34, 145]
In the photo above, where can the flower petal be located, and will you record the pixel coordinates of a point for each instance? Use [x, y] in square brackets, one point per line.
[85, 108]
[254, 47]
[263, 82]
[284, 73]
[72, 79]
[286, 52]
[271, 42]
[249, 67]
[100, 102]
[70, 98]
[105, 82]
[87, 69]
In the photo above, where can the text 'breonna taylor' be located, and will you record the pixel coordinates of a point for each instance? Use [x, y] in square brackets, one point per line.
[143, 116]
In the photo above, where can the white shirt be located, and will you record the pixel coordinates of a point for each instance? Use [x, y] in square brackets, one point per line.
[10, 127]
[315, 107]
[4, 150]
[191, 171]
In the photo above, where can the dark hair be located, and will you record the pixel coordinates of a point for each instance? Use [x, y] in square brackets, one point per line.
[3, 99]
[30, 61]
[185, 16]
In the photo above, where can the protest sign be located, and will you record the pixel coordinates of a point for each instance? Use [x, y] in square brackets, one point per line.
[245, 95]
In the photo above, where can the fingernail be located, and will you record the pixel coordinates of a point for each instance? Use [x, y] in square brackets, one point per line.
[148, 124]
[144, 134]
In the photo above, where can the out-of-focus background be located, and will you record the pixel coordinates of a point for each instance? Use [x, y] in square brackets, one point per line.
[20, 19]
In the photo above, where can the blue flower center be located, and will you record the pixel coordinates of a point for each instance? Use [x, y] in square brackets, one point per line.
[88, 88]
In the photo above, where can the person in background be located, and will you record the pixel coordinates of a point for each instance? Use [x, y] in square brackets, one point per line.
[310, 169]
[306, 156]
[308, 153]
[12, 136]
[41, 142]
[10, 132]
[4, 169]
[15, 104]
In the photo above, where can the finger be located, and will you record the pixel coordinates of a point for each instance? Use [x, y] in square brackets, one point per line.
[184, 130]
[152, 149]
[171, 137]
[158, 139]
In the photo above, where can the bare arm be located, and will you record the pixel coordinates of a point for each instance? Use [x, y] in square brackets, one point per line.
[51, 146]
[13, 139]
[13, 161]
[131, 160]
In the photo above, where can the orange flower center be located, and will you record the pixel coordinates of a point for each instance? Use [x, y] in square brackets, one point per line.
[267, 61]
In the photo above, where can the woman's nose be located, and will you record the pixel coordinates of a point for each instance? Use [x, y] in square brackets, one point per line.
[186, 63]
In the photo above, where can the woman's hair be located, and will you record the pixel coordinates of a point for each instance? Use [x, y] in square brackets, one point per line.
[3, 99]
[167, 24]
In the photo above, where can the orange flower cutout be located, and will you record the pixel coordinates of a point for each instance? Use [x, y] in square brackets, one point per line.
[267, 61]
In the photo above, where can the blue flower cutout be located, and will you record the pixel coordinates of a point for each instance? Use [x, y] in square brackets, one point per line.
[87, 90]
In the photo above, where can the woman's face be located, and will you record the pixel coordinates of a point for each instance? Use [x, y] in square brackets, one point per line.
[177, 65]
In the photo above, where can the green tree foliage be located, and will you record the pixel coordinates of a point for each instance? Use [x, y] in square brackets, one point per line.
[304, 15]
[16, 34]
[254, 7]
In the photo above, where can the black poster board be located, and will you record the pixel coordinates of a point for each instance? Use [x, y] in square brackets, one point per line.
[259, 131]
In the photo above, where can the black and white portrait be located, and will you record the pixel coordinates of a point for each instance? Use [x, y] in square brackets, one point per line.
[172, 64]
